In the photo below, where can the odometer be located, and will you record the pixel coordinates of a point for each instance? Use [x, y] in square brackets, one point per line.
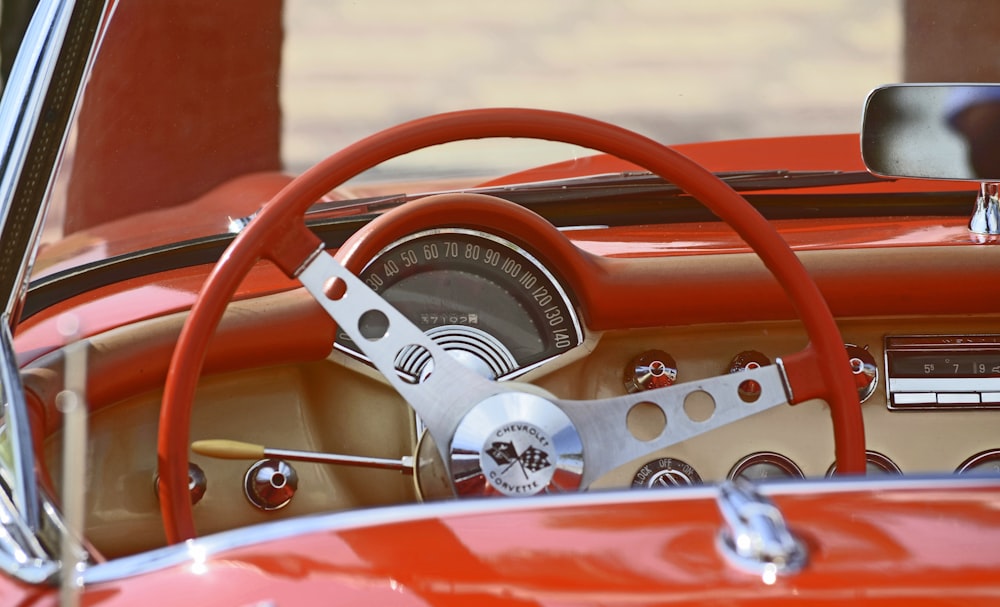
[481, 297]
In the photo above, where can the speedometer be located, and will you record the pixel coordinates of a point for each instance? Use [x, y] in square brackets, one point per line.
[482, 298]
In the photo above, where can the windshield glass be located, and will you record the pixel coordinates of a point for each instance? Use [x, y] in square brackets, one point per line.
[195, 113]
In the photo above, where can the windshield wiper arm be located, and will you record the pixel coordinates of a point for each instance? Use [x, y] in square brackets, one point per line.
[610, 184]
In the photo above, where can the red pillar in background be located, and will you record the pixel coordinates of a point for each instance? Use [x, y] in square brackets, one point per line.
[953, 41]
[205, 59]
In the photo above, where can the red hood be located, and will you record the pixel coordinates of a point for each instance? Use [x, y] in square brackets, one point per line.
[927, 540]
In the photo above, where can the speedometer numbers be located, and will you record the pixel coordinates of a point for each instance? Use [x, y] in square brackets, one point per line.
[502, 311]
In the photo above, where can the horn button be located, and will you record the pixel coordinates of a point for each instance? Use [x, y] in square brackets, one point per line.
[516, 443]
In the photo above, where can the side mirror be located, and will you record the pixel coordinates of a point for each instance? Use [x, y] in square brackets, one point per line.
[933, 131]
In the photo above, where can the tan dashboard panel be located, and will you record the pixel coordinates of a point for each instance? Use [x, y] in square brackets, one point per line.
[314, 407]
[917, 441]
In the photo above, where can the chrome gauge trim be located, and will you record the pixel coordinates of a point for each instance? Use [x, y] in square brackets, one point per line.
[983, 458]
[665, 472]
[560, 297]
[785, 465]
[875, 462]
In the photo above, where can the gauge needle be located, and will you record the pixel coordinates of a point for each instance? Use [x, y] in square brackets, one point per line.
[231, 449]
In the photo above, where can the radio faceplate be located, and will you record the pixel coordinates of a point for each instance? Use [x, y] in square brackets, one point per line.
[942, 372]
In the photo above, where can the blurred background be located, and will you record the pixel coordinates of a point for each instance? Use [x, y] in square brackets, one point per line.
[674, 71]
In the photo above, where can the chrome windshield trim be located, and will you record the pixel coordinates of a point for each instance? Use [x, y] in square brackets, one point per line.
[198, 551]
[21, 555]
[25, 484]
[20, 113]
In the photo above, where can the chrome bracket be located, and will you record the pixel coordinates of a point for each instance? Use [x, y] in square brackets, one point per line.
[986, 215]
[755, 538]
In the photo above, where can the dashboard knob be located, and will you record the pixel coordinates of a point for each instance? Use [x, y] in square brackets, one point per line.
[749, 390]
[270, 484]
[650, 370]
[865, 370]
[197, 483]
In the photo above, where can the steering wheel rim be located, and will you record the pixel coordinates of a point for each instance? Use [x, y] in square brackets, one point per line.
[278, 234]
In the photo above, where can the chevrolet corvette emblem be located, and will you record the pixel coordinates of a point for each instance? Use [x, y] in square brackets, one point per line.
[520, 464]
[532, 459]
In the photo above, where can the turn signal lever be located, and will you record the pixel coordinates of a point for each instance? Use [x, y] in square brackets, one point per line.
[231, 449]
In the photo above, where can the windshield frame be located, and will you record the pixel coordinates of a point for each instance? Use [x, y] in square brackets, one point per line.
[35, 112]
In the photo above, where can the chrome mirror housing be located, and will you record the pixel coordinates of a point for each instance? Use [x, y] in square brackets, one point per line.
[938, 131]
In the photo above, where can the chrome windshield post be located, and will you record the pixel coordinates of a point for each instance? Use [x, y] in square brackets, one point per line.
[17, 434]
[35, 113]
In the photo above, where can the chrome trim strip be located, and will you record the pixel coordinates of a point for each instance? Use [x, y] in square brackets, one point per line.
[198, 551]
[20, 110]
[21, 556]
[18, 427]
[784, 379]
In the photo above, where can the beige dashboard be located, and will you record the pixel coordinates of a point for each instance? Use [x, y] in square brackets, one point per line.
[339, 405]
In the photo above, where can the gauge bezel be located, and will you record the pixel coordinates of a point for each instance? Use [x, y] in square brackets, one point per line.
[874, 458]
[560, 295]
[967, 467]
[782, 462]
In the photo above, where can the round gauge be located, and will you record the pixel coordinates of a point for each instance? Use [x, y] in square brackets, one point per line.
[875, 463]
[986, 462]
[485, 300]
[665, 472]
[765, 466]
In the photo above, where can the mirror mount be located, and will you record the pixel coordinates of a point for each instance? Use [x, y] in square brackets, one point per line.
[986, 215]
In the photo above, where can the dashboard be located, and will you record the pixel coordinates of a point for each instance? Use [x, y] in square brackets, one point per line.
[521, 301]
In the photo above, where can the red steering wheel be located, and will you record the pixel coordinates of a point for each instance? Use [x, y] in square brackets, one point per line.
[454, 409]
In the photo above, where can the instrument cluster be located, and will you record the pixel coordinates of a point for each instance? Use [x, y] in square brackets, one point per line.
[940, 373]
[486, 300]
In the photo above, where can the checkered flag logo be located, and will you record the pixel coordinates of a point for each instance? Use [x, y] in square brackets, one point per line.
[533, 459]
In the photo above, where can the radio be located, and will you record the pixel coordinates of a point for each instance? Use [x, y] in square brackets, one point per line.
[942, 372]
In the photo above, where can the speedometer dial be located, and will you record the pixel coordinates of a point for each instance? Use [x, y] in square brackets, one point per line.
[485, 300]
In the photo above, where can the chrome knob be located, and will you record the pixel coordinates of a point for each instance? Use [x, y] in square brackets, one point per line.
[650, 370]
[270, 484]
[746, 360]
[197, 483]
[865, 370]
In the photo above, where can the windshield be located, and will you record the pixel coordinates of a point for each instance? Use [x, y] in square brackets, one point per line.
[189, 103]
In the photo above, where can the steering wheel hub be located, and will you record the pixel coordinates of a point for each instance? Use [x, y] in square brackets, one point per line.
[516, 443]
